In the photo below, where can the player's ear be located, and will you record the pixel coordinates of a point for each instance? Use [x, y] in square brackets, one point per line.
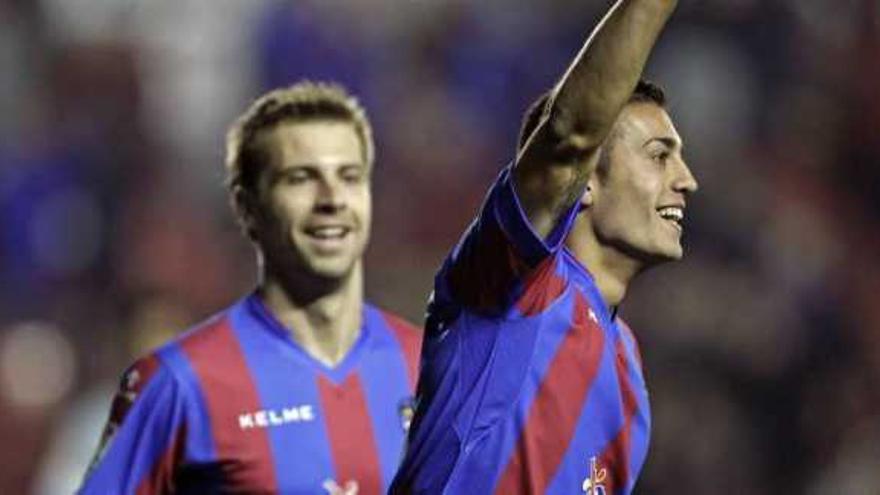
[588, 197]
[245, 204]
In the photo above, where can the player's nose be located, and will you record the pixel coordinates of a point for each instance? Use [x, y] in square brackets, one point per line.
[330, 195]
[684, 179]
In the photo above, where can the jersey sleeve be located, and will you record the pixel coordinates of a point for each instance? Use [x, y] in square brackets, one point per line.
[499, 249]
[143, 440]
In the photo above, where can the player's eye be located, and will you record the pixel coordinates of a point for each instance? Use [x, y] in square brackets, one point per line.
[295, 176]
[353, 175]
[660, 158]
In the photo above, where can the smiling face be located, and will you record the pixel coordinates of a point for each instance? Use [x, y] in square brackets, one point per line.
[638, 195]
[311, 210]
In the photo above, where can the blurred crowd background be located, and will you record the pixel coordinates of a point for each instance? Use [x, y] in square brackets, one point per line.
[762, 348]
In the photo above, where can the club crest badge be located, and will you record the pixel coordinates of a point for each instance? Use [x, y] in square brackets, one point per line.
[594, 483]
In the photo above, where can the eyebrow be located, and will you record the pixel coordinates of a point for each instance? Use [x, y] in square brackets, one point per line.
[669, 142]
[315, 165]
[310, 166]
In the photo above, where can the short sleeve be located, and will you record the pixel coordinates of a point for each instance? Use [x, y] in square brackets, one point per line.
[499, 249]
[143, 440]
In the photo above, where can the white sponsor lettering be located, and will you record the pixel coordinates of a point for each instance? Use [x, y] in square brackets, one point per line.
[305, 412]
[290, 414]
[265, 418]
[245, 421]
[260, 419]
[300, 413]
[275, 419]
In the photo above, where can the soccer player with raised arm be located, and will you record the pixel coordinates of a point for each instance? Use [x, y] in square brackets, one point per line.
[300, 387]
[530, 383]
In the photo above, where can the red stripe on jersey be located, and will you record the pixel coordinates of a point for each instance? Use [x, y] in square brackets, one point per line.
[161, 477]
[636, 348]
[229, 391]
[541, 288]
[355, 455]
[135, 378]
[616, 455]
[486, 269]
[410, 340]
[553, 415]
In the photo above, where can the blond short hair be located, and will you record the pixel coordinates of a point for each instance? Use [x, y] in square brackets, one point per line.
[305, 101]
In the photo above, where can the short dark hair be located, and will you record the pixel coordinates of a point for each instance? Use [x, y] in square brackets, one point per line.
[644, 92]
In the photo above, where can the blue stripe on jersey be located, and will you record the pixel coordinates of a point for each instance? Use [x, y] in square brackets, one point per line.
[600, 420]
[199, 446]
[253, 314]
[508, 211]
[471, 357]
[640, 432]
[299, 450]
[642, 420]
[511, 387]
[383, 376]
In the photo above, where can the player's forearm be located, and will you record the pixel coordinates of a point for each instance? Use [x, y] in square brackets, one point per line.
[555, 163]
[601, 78]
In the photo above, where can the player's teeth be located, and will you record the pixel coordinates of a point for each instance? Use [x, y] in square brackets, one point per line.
[328, 232]
[672, 213]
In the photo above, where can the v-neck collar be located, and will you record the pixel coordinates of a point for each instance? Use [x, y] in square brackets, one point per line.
[605, 312]
[267, 321]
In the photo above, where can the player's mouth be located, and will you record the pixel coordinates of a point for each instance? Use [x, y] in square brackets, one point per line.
[328, 232]
[328, 238]
[672, 214]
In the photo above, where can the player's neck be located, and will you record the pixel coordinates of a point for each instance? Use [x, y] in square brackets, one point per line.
[611, 269]
[325, 325]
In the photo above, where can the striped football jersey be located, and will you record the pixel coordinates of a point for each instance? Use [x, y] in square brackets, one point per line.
[529, 383]
[234, 405]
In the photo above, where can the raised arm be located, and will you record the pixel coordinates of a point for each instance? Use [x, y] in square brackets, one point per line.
[554, 164]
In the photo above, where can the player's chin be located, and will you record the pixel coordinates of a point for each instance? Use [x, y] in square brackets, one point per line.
[330, 270]
[672, 252]
[664, 253]
[333, 267]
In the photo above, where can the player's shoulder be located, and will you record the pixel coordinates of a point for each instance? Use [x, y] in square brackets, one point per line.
[150, 375]
[140, 373]
[628, 332]
[196, 343]
[209, 332]
[408, 334]
[394, 319]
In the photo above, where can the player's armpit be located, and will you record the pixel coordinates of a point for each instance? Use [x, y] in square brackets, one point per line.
[550, 175]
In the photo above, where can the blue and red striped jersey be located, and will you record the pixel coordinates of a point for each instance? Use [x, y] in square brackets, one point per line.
[234, 405]
[529, 384]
